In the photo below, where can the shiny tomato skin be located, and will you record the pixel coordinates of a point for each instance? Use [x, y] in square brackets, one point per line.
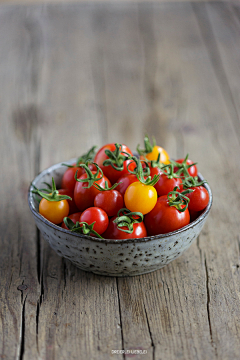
[112, 232]
[111, 201]
[97, 215]
[68, 179]
[199, 198]
[140, 197]
[165, 185]
[72, 206]
[74, 217]
[193, 170]
[112, 174]
[84, 198]
[54, 211]
[164, 218]
[124, 182]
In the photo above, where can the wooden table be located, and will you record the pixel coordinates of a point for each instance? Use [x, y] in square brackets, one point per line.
[75, 75]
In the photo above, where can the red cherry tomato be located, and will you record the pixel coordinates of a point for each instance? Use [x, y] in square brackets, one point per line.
[68, 180]
[97, 215]
[83, 197]
[72, 206]
[166, 184]
[112, 174]
[111, 201]
[124, 182]
[112, 232]
[199, 198]
[165, 218]
[74, 217]
[193, 171]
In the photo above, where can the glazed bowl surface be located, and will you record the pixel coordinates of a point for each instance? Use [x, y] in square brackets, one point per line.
[113, 257]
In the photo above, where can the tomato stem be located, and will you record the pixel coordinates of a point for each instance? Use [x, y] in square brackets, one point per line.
[106, 188]
[178, 199]
[91, 178]
[81, 227]
[53, 195]
[191, 181]
[148, 146]
[127, 219]
[140, 174]
[116, 158]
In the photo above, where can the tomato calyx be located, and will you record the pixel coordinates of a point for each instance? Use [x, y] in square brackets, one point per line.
[169, 171]
[81, 227]
[157, 163]
[89, 156]
[51, 195]
[116, 158]
[107, 188]
[91, 178]
[191, 181]
[183, 167]
[179, 199]
[83, 159]
[146, 169]
[140, 174]
[126, 218]
[148, 146]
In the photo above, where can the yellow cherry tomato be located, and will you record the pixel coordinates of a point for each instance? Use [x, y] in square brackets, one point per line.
[164, 158]
[54, 211]
[140, 197]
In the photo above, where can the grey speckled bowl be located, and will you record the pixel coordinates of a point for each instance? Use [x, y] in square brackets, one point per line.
[113, 257]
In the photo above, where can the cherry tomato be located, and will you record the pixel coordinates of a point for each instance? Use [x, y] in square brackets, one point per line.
[97, 215]
[112, 174]
[72, 206]
[140, 197]
[193, 171]
[83, 197]
[112, 232]
[166, 184]
[54, 211]
[164, 158]
[165, 218]
[199, 198]
[111, 201]
[74, 217]
[124, 182]
[194, 215]
[68, 180]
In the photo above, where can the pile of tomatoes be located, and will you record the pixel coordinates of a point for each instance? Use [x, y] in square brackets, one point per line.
[113, 194]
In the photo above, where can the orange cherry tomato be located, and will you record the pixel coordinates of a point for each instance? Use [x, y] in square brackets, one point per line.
[54, 211]
[164, 158]
[140, 197]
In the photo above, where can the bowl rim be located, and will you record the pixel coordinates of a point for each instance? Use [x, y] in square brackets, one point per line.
[110, 241]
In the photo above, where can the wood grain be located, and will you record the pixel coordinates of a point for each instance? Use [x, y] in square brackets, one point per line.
[73, 75]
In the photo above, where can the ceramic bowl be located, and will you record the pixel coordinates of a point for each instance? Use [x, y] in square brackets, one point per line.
[113, 257]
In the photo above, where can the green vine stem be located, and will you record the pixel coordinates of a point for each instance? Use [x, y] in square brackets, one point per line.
[116, 158]
[140, 174]
[53, 196]
[146, 169]
[148, 146]
[182, 167]
[89, 156]
[191, 181]
[177, 199]
[91, 178]
[81, 227]
[126, 218]
[106, 188]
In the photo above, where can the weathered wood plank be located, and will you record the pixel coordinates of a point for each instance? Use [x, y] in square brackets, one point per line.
[76, 75]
